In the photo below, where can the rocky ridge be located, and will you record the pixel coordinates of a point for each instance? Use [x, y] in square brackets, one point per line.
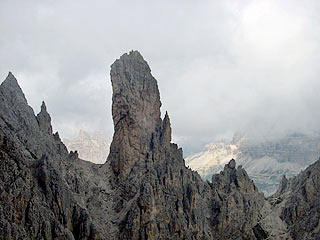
[299, 200]
[143, 191]
[45, 191]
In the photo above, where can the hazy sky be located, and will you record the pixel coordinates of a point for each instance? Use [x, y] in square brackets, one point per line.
[222, 66]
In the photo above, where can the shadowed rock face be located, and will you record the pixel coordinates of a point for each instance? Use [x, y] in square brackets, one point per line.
[143, 191]
[35, 200]
[300, 197]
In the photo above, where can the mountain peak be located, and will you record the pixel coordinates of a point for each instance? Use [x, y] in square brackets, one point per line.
[232, 176]
[135, 110]
[10, 80]
[135, 53]
[12, 91]
[43, 107]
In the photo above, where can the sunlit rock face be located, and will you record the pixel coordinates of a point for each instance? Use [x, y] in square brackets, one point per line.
[90, 147]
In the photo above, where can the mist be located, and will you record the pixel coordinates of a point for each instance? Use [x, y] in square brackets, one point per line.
[221, 66]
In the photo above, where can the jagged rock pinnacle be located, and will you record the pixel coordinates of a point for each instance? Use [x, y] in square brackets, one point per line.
[166, 130]
[135, 111]
[10, 80]
[43, 107]
[44, 119]
[135, 91]
[237, 177]
[12, 91]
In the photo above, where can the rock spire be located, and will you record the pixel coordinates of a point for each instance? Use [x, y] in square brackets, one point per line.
[44, 120]
[135, 111]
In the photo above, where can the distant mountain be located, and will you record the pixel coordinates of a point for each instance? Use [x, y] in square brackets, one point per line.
[213, 158]
[93, 148]
[265, 159]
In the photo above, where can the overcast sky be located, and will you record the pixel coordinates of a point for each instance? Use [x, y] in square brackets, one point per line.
[222, 66]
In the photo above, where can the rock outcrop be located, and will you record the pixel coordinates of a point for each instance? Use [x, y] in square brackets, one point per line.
[35, 200]
[135, 111]
[44, 120]
[143, 191]
[300, 200]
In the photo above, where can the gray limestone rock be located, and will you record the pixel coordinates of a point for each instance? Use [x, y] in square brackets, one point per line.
[35, 201]
[44, 120]
[157, 197]
[301, 197]
[143, 191]
[135, 111]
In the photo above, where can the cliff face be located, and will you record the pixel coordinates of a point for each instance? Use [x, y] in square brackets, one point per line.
[143, 191]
